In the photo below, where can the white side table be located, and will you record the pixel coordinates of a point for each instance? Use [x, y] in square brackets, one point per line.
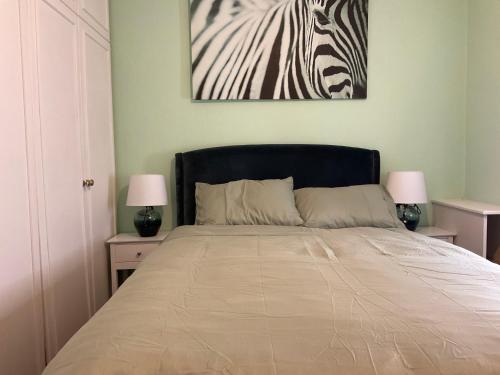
[477, 224]
[438, 233]
[128, 250]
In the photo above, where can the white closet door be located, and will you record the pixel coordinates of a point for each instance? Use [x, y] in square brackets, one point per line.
[21, 327]
[98, 119]
[96, 14]
[72, 4]
[64, 248]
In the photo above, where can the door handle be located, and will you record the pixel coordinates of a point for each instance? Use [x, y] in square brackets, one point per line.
[88, 183]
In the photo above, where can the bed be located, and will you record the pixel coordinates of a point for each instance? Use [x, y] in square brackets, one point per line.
[293, 300]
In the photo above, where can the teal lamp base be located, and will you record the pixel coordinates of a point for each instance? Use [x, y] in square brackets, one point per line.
[147, 221]
[409, 215]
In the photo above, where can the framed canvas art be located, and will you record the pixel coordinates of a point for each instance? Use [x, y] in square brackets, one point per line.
[279, 49]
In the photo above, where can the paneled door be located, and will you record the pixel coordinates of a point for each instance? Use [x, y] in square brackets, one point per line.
[64, 254]
[96, 14]
[97, 116]
[21, 327]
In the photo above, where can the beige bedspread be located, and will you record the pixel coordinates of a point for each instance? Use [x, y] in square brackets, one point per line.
[278, 300]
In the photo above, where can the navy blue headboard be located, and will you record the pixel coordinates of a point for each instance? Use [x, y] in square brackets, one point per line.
[309, 165]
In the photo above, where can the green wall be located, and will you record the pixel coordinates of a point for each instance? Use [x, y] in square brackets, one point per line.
[414, 114]
[483, 110]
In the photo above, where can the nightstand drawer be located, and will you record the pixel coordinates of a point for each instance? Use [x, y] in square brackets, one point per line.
[132, 252]
[438, 233]
[445, 238]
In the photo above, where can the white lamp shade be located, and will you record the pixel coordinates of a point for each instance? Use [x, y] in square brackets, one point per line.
[407, 187]
[147, 190]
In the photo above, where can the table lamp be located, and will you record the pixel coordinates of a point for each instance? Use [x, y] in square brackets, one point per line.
[407, 189]
[147, 190]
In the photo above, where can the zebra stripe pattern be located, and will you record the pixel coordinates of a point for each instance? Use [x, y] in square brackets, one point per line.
[279, 49]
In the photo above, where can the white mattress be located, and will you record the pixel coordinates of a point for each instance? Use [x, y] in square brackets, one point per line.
[284, 300]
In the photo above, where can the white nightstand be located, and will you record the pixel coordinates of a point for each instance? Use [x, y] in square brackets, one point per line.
[128, 250]
[438, 233]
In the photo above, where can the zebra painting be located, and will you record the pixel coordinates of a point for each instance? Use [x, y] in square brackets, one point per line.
[279, 49]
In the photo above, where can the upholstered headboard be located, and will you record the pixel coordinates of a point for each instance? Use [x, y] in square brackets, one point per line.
[309, 165]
